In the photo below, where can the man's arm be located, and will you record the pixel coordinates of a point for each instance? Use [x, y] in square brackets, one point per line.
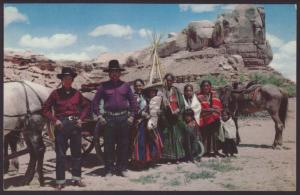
[132, 102]
[46, 109]
[85, 105]
[96, 100]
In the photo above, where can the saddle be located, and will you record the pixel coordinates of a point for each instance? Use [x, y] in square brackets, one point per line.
[250, 93]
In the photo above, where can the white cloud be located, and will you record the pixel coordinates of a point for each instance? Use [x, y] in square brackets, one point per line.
[114, 30]
[97, 48]
[229, 6]
[198, 8]
[68, 56]
[274, 41]
[144, 32]
[284, 60]
[56, 41]
[289, 48]
[12, 14]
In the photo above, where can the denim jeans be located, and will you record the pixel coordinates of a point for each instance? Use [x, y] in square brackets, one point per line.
[71, 132]
[116, 132]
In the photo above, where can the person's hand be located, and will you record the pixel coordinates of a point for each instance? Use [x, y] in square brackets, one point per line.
[79, 123]
[58, 124]
[159, 112]
[145, 115]
[215, 110]
[176, 112]
[130, 120]
[102, 120]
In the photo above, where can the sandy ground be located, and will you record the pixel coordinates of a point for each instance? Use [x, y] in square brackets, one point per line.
[257, 167]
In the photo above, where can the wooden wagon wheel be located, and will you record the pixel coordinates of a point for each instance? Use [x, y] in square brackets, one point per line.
[99, 144]
[87, 143]
[87, 139]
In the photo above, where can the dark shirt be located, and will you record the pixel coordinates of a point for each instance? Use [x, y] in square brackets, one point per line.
[117, 96]
[65, 104]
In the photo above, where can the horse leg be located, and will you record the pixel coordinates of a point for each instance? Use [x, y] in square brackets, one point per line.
[29, 174]
[278, 129]
[13, 146]
[235, 119]
[238, 138]
[40, 148]
[6, 161]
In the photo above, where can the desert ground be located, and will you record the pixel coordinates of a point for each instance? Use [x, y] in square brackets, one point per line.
[257, 167]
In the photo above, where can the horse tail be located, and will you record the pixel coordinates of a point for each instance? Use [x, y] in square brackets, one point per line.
[283, 108]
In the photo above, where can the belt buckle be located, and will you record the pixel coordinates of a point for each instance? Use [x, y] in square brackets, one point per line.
[72, 118]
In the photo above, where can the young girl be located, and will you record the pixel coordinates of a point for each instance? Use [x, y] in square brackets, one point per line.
[193, 146]
[229, 146]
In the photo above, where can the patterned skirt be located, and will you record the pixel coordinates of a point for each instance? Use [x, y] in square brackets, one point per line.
[147, 145]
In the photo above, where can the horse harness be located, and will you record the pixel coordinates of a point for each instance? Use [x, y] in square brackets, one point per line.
[251, 94]
[28, 111]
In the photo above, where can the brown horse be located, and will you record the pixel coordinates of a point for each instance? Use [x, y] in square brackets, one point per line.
[256, 97]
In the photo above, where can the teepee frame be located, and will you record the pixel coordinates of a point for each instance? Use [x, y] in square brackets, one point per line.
[156, 69]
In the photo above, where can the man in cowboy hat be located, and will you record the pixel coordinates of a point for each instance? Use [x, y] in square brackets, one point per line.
[120, 108]
[66, 102]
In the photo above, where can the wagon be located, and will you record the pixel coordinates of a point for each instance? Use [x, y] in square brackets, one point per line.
[91, 138]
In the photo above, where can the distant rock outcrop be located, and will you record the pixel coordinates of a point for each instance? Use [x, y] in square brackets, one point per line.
[240, 32]
[199, 34]
[243, 32]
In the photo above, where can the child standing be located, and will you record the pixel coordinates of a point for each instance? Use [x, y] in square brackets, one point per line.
[229, 146]
[193, 146]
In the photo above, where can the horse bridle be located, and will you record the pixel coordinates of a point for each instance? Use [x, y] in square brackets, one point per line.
[28, 111]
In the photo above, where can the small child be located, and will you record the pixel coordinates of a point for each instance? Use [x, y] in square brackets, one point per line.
[229, 146]
[193, 145]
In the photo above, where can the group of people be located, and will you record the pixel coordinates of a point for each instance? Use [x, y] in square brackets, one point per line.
[152, 123]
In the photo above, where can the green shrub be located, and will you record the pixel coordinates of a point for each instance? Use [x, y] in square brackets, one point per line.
[242, 77]
[216, 80]
[221, 166]
[274, 80]
[174, 182]
[229, 186]
[145, 179]
[201, 175]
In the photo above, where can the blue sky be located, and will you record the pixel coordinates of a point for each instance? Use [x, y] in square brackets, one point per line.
[83, 31]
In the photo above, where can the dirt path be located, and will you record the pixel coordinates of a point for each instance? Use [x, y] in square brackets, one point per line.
[257, 167]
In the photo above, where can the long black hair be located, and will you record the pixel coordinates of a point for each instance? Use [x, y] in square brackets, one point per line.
[169, 75]
[201, 86]
[188, 85]
[138, 80]
[203, 82]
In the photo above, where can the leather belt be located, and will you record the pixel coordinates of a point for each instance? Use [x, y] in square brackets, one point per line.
[116, 113]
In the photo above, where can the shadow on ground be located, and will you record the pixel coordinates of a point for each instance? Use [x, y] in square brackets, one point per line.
[255, 146]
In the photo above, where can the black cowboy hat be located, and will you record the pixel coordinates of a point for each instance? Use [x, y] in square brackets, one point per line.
[66, 71]
[113, 65]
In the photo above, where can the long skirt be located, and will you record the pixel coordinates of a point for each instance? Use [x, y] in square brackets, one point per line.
[229, 147]
[173, 142]
[147, 145]
[210, 137]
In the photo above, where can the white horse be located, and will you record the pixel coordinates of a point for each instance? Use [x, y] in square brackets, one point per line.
[22, 113]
